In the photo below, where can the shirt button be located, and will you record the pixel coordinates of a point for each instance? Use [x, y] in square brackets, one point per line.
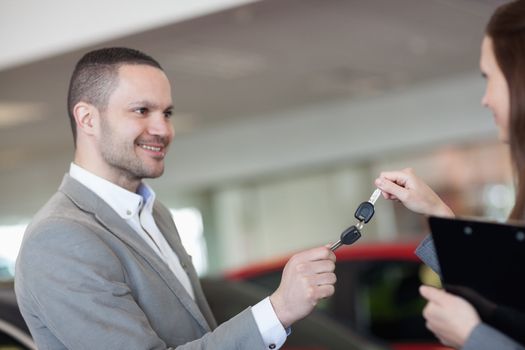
[128, 212]
[272, 346]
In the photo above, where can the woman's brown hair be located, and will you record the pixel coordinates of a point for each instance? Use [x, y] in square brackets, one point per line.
[506, 28]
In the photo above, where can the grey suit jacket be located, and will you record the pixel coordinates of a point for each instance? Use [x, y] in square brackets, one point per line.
[483, 336]
[86, 280]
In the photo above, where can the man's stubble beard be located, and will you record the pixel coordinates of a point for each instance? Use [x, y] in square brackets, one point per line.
[121, 156]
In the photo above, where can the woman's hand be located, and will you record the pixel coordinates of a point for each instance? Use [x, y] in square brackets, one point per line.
[410, 190]
[449, 317]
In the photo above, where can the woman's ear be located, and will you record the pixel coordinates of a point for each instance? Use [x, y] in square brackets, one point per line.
[86, 118]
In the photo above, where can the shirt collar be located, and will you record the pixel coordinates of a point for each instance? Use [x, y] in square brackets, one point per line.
[127, 204]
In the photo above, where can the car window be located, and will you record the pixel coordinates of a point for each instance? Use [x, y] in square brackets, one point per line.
[7, 269]
[315, 332]
[7, 342]
[13, 330]
[378, 298]
[381, 298]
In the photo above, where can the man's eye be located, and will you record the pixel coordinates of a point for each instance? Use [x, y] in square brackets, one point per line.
[141, 110]
[168, 114]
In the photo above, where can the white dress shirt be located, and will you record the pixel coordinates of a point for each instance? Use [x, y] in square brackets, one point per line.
[137, 210]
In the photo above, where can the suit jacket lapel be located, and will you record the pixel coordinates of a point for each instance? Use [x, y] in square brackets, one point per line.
[165, 223]
[90, 202]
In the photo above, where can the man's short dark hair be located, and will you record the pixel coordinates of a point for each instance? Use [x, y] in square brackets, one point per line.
[95, 77]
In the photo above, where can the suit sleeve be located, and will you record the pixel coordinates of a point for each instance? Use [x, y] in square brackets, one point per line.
[72, 285]
[484, 337]
[509, 320]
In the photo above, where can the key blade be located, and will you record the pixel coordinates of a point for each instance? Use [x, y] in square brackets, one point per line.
[336, 245]
[375, 196]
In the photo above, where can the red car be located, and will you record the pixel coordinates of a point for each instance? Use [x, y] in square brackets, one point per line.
[376, 292]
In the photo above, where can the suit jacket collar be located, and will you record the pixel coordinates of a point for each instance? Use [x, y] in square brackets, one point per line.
[88, 201]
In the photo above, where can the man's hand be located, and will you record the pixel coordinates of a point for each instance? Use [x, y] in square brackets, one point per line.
[307, 277]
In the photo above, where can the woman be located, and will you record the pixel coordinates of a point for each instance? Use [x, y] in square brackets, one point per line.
[451, 318]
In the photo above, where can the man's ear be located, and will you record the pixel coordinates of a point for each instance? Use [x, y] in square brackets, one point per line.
[86, 118]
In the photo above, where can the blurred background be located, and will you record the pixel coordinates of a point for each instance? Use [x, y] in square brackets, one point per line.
[285, 113]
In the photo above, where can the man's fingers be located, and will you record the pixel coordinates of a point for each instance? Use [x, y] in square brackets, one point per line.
[325, 291]
[319, 253]
[307, 277]
[323, 279]
[315, 267]
[322, 266]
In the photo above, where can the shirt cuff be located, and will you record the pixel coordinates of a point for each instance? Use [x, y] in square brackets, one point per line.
[272, 331]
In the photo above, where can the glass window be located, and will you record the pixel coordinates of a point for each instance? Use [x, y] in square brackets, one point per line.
[7, 342]
[381, 298]
[190, 227]
[10, 241]
[377, 298]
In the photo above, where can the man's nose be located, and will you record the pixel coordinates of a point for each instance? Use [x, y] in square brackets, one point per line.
[160, 125]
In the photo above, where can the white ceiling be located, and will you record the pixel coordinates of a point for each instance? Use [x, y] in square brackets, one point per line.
[40, 29]
[266, 87]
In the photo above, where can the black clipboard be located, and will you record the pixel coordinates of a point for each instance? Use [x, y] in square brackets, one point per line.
[485, 257]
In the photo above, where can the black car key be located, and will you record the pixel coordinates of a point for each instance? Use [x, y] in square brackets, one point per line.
[349, 236]
[365, 211]
[363, 214]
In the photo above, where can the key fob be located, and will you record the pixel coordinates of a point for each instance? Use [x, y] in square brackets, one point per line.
[350, 235]
[364, 212]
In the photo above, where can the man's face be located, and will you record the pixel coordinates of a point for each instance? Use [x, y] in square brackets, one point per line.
[135, 127]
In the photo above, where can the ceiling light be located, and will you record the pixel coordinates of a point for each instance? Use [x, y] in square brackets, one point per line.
[216, 62]
[13, 114]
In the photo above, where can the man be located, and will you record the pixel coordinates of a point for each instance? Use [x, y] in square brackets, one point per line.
[102, 265]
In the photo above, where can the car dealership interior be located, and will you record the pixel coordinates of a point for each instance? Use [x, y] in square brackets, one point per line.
[285, 112]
